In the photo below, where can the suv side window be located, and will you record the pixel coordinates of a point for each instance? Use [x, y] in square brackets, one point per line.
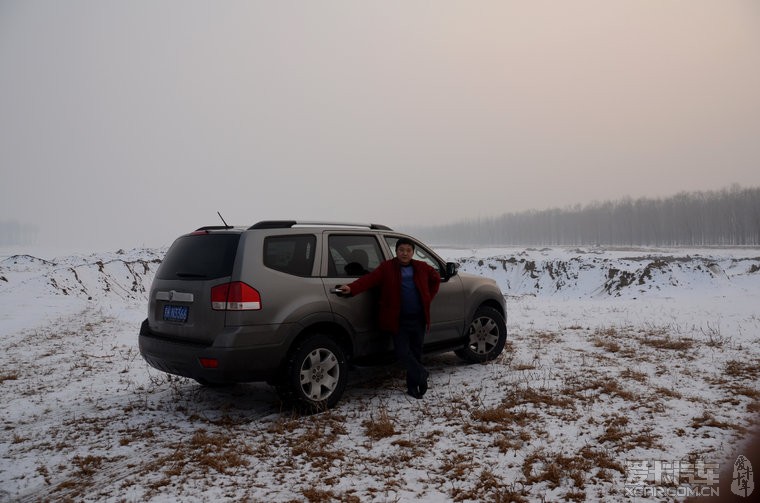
[290, 254]
[420, 253]
[353, 255]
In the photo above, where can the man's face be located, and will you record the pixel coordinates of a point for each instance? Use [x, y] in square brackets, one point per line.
[405, 253]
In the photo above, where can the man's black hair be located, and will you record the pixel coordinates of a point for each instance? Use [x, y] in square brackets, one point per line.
[404, 241]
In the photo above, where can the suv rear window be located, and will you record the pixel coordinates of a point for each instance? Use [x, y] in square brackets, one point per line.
[290, 254]
[203, 256]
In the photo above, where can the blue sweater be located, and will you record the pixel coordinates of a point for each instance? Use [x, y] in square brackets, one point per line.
[411, 303]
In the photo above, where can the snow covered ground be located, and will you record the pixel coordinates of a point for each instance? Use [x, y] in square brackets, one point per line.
[621, 367]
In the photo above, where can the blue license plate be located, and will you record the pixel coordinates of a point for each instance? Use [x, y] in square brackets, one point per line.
[176, 313]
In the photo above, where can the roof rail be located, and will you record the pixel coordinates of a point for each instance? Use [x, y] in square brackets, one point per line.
[273, 224]
[214, 228]
[285, 224]
[380, 227]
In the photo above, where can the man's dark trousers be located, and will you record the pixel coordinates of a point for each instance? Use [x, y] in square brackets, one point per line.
[408, 346]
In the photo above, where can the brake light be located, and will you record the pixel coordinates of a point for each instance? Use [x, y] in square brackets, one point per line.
[236, 296]
[209, 363]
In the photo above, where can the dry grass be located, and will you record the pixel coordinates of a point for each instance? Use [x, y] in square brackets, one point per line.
[379, 426]
[614, 388]
[512, 441]
[561, 470]
[634, 375]
[743, 370]
[501, 418]
[314, 495]
[621, 438]
[457, 465]
[524, 366]
[87, 465]
[607, 343]
[667, 342]
[714, 337]
[317, 446]
[546, 337]
[747, 391]
[537, 397]
[131, 435]
[606, 332]
[666, 392]
[8, 376]
[708, 420]
[602, 459]
[215, 451]
[204, 453]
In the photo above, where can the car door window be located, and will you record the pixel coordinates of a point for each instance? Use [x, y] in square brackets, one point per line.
[420, 253]
[290, 254]
[352, 255]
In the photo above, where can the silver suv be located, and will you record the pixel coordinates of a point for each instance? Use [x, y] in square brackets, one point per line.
[234, 304]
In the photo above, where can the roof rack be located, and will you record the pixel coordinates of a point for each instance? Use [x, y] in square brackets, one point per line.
[214, 228]
[285, 224]
[273, 224]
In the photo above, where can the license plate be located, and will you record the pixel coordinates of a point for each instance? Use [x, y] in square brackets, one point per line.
[176, 313]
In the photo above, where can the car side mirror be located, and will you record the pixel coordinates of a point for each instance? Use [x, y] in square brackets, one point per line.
[451, 269]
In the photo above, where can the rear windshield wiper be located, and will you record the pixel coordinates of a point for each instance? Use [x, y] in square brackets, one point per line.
[190, 275]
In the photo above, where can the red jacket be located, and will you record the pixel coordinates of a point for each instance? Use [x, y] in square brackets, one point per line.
[388, 277]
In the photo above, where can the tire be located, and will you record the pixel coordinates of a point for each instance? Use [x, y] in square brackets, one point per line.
[486, 336]
[316, 375]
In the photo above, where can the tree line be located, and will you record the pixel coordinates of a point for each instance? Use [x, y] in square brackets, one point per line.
[728, 217]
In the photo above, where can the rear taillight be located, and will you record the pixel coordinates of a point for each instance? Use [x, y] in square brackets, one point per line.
[209, 363]
[236, 296]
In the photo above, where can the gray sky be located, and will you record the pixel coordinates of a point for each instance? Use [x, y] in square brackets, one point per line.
[128, 123]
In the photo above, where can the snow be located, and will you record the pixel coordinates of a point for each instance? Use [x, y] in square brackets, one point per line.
[614, 357]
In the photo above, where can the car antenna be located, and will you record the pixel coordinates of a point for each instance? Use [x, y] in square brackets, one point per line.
[220, 216]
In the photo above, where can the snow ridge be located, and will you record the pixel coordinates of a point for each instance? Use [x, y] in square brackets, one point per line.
[568, 273]
[121, 275]
[581, 274]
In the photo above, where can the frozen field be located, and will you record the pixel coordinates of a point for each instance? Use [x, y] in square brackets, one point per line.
[620, 365]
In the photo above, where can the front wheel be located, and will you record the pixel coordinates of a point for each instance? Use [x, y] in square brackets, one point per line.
[486, 336]
[316, 374]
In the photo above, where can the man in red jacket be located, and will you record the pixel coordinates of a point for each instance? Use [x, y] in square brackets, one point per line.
[407, 288]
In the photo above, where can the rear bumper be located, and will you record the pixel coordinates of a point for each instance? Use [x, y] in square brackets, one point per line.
[242, 363]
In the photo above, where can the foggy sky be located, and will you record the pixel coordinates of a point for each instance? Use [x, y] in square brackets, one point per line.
[126, 124]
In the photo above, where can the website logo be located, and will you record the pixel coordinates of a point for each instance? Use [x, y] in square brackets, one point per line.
[742, 481]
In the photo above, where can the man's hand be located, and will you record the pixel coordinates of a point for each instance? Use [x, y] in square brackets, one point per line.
[344, 289]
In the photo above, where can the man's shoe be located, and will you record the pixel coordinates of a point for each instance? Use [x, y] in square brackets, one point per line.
[415, 393]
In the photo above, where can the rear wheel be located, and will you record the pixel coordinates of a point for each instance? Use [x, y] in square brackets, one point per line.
[486, 336]
[316, 374]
